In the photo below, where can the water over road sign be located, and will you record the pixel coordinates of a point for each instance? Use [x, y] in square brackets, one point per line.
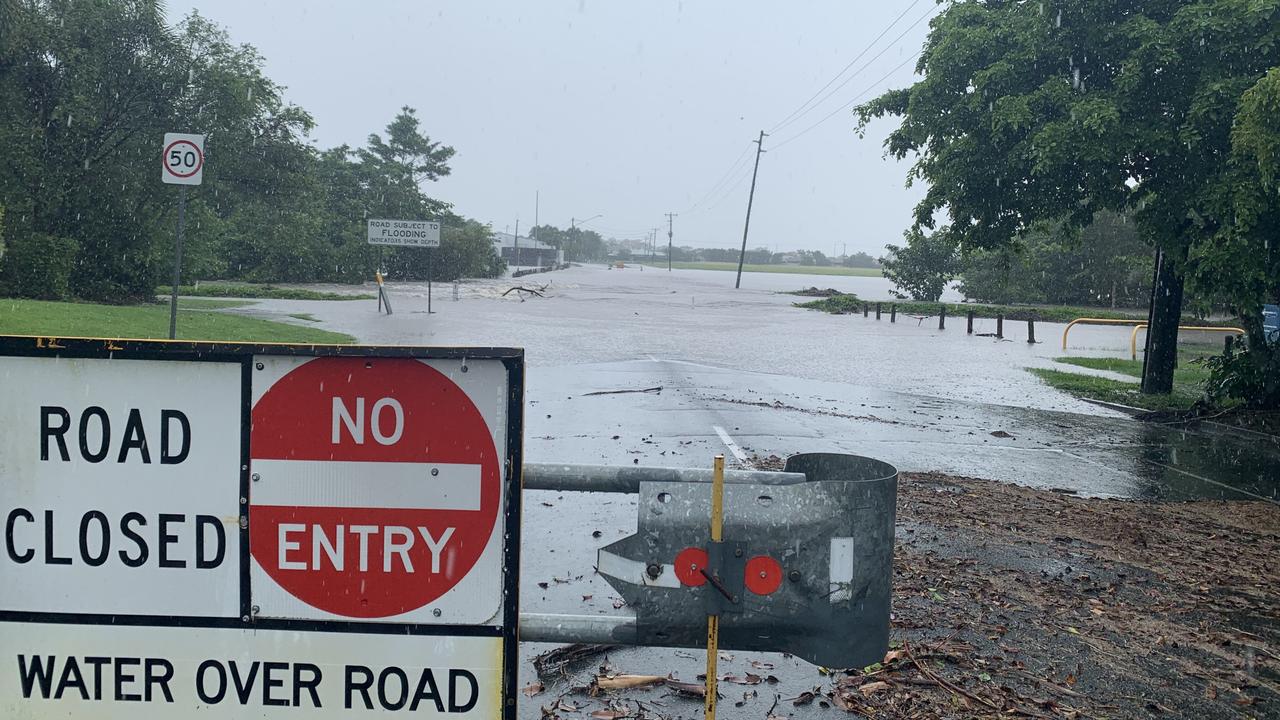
[229, 531]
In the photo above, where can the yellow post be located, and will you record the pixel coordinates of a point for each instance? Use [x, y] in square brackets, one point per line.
[713, 621]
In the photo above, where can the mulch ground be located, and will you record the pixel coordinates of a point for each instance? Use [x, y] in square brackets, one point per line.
[1017, 602]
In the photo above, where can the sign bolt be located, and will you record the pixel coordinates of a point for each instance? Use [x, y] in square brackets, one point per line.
[259, 365]
[244, 618]
[435, 472]
[795, 576]
[653, 570]
[255, 609]
[436, 612]
[737, 552]
[244, 522]
[255, 477]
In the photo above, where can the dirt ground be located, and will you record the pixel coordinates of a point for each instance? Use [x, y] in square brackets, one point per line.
[1016, 602]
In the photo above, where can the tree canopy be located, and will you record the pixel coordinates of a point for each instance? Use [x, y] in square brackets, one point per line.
[1053, 111]
[86, 92]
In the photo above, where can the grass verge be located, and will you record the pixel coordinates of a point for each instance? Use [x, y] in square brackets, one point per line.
[187, 303]
[1188, 382]
[247, 290]
[38, 317]
[786, 269]
[848, 303]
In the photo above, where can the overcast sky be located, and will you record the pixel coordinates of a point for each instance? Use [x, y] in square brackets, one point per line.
[625, 109]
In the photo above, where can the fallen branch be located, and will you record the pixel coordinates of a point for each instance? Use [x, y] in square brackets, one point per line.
[558, 659]
[624, 392]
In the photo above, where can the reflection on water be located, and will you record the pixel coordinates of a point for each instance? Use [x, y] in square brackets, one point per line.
[1179, 464]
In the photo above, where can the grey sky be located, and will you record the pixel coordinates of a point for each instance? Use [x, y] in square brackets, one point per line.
[627, 109]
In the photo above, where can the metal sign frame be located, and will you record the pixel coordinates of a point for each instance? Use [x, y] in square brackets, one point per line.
[243, 354]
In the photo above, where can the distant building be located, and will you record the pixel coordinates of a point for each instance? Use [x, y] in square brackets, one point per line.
[533, 253]
[789, 258]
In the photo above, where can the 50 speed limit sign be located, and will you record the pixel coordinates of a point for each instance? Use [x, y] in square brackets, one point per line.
[183, 159]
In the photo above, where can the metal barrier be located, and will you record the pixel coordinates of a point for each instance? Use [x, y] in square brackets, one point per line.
[805, 565]
[1096, 321]
[1133, 336]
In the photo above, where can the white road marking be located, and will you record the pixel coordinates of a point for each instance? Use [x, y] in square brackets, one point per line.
[729, 443]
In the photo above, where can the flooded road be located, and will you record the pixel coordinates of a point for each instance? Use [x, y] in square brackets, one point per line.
[692, 369]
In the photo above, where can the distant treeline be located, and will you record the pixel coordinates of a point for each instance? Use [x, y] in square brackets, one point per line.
[87, 90]
[755, 256]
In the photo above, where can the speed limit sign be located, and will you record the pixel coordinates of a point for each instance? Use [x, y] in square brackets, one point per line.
[183, 159]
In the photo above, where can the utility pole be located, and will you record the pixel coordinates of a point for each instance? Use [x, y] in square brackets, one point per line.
[670, 217]
[516, 252]
[751, 197]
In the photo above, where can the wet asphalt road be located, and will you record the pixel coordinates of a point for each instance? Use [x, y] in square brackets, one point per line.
[744, 374]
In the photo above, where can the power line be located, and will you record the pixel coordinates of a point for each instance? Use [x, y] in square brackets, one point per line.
[785, 121]
[849, 104]
[857, 72]
[719, 183]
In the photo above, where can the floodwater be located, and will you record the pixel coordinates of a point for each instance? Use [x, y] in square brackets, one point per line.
[778, 379]
[745, 374]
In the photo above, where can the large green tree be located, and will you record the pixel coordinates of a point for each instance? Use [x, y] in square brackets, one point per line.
[1034, 111]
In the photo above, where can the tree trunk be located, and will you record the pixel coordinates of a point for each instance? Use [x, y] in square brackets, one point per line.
[1162, 327]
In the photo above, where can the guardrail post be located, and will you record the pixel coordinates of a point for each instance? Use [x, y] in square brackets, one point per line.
[970, 322]
[942, 317]
[877, 311]
[1227, 342]
[999, 327]
[1031, 331]
[893, 312]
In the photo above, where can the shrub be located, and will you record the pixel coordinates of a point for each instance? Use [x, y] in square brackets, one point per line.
[39, 266]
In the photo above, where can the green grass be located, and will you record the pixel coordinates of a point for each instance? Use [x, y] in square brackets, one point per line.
[791, 269]
[1188, 381]
[848, 303]
[61, 319]
[247, 290]
[185, 303]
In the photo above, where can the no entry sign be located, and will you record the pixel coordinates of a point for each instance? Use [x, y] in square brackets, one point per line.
[253, 530]
[376, 489]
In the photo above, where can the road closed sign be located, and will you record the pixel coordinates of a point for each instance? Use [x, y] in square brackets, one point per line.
[233, 531]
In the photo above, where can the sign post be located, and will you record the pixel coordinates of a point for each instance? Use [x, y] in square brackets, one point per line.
[183, 164]
[266, 530]
[405, 233]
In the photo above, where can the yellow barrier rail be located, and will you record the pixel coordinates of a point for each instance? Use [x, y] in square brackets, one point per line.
[1097, 321]
[1133, 336]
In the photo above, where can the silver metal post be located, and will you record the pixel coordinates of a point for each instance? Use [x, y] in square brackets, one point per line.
[623, 479]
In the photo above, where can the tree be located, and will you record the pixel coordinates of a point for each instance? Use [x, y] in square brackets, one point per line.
[923, 267]
[1103, 264]
[1041, 111]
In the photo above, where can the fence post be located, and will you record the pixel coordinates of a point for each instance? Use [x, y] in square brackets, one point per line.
[942, 317]
[1031, 330]
[893, 312]
[865, 307]
[877, 311]
[970, 322]
[1000, 326]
